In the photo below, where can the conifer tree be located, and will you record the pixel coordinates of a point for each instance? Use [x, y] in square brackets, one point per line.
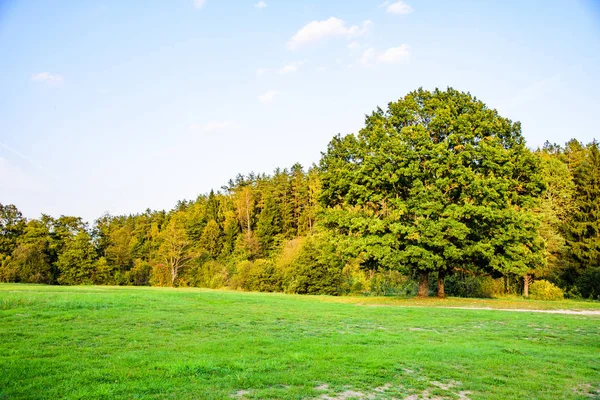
[583, 228]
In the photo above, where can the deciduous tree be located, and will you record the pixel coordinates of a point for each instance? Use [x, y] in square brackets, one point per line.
[437, 181]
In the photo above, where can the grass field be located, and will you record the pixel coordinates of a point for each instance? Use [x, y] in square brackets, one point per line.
[113, 342]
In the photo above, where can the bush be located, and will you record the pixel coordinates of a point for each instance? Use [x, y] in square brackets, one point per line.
[210, 274]
[491, 287]
[544, 290]
[139, 275]
[392, 283]
[317, 269]
[260, 275]
[473, 286]
[354, 279]
[160, 275]
[588, 283]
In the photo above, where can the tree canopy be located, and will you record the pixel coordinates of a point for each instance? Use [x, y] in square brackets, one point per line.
[436, 185]
[438, 181]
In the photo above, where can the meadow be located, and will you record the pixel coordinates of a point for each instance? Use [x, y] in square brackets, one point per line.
[144, 342]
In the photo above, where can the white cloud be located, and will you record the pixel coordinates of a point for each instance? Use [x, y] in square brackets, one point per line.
[398, 7]
[317, 30]
[47, 77]
[289, 68]
[321, 69]
[390, 56]
[286, 69]
[199, 4]
[268, 96]
[395, 54]
[353, 45]
[367, 56]
[260, 4]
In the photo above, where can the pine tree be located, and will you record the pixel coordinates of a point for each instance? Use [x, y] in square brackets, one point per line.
[583, 228]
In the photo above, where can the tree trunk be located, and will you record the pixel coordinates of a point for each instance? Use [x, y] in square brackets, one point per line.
[423, 284]
[440, 287]
[173, 275]
[526, 280]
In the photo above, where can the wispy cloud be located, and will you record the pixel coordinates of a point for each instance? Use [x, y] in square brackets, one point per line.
[286, 69]
[332, 27]
[268, 97]
[260, 4]
[47, 77]
[353, 45]
[368, 56]
[398, 7]
[393, 55]
[29, 160]
[14, 178]
[199, 4]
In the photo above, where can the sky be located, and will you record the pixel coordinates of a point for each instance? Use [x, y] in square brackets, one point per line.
[120, 106]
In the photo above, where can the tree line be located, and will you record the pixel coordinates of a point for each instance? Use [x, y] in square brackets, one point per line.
[436, 188]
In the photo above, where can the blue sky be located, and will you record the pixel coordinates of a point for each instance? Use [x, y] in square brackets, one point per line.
[120, 106]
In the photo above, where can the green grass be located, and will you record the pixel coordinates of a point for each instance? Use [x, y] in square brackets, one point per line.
[112, 342]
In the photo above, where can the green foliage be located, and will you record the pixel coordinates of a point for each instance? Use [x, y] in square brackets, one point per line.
[436, 181]
[317, 269]
[140, 273]
[31, 258]
[583, 226]
[211, 274]
[12, 224]
[211, 239]
[555, 209]
[477, 286]
[588, 283]
[174, 252]
[160, 275]
[268, 225]
[392, 282]
[260, 275]
[104, 273]
[76, 262]
[544, 290]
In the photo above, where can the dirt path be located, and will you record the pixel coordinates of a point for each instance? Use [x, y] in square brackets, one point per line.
[560, 311]
[570, 312]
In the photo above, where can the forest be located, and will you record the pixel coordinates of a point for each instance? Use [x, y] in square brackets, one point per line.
[435, 194]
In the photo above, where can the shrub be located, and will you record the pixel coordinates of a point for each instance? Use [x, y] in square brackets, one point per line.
[139, 275]
[588, 283]
[391, 283]
[473, 286]
[544, 290]
[211, 274]
[317, 269]
[160, 275]
[260, 275]
[491, 287]
[354, 279]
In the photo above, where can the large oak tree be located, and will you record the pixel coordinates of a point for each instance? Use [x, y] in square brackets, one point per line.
[436, 182]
